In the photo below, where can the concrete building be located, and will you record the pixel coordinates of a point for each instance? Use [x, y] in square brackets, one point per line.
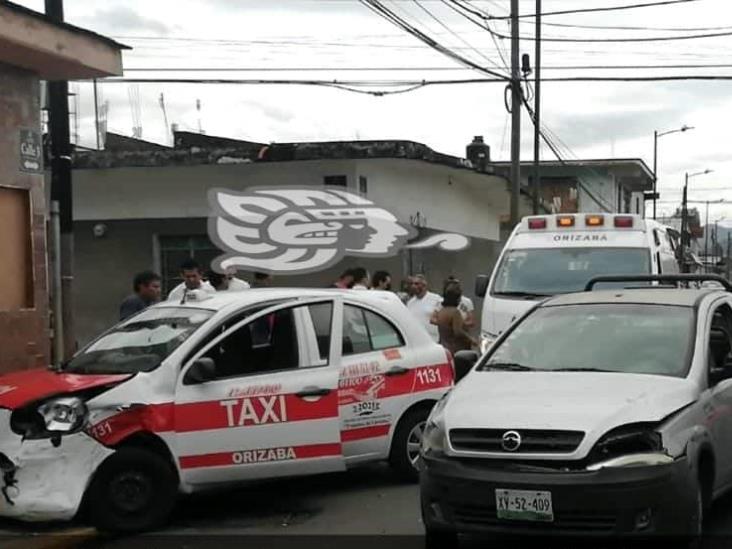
[139, 206]
[32, 48]
[609, 185]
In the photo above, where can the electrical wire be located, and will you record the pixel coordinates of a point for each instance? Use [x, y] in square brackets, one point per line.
[415, 69]
[443, 25]
[603, 9]
[486, 16]
[378, 8]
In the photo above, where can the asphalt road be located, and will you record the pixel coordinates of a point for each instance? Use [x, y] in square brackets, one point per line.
[349, 508]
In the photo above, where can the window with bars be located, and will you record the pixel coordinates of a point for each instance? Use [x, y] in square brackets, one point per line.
[174, 250]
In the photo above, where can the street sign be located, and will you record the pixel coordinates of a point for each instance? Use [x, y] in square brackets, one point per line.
[31, 151]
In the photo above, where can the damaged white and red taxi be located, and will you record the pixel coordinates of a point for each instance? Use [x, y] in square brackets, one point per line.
[213, 391]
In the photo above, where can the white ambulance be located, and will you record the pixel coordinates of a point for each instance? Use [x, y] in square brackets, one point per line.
[222, 389]
[558, 254]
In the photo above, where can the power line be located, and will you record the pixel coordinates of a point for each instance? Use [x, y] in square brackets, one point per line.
[416, 69]
[420, 83]
[378, 8]
[593, 10]
[486, 16]
[448, 29]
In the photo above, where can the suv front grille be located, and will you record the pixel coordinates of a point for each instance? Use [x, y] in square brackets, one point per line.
[533, 441]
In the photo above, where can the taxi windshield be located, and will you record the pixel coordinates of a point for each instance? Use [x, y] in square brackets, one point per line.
[620, 338]
[542, 272]
[139, 344]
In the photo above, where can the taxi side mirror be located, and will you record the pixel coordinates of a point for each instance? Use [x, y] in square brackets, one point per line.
[481, 285]
[464, 362]
[201, 371]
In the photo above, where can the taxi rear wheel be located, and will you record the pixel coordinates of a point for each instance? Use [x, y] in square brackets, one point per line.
[133, 490]
[406, 444]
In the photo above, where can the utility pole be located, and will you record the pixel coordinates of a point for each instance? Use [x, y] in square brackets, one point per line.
[537, 110]
[684, 222]
[655, 171]
[96, 115]
[729, 242]
[58, 123]
[516, 101]
[706, 237]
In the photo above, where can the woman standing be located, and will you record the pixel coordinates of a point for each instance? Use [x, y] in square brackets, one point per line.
[450, 323]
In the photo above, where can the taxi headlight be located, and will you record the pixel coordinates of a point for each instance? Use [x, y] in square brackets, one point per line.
[63, 415]
[486, 340]
[50, 419]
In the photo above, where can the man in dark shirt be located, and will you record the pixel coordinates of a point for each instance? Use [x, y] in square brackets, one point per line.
[147, 291]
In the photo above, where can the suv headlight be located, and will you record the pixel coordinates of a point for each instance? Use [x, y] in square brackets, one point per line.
[486, 340]
[627, 446]
[433, 437]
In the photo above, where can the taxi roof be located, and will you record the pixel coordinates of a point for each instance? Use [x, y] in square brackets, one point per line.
[649, 296]
[223, 300]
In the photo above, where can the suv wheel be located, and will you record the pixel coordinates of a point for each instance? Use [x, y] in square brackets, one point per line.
[406, 443]
[133, 490]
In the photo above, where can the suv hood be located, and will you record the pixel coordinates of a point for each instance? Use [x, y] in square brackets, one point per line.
[20, 388]
[589, 402]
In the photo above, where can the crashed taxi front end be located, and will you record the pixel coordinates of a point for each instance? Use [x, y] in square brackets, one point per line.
[46, 458]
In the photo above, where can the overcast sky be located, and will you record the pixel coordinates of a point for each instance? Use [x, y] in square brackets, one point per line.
[595, 120]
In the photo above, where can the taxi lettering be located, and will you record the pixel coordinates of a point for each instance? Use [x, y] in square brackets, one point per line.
[266, 454]
[255, 411]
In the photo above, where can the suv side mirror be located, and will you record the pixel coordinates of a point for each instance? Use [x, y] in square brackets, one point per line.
[464, 362]
[201, 371]
[481, 285]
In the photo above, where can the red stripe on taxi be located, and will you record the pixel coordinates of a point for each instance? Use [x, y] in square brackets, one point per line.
[362, 433]
[260, 455]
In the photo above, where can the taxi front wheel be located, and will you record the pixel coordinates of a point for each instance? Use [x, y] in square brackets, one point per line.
[134, 490]
[406, 443]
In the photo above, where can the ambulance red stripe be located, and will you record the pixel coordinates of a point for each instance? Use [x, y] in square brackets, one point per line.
[362, 433]
[224, 459]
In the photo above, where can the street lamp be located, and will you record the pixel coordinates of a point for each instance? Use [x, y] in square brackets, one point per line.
[656, 135]
[706, 223]
[685, 215]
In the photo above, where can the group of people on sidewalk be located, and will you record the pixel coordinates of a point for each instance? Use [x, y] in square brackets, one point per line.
[447, 318]
[147, 288]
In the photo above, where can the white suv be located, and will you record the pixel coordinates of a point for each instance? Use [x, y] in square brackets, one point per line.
[188, 396]
[598, 413]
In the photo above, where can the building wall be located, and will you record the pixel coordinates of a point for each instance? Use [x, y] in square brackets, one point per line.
[24, 333]
[450, 199]
[105, 266]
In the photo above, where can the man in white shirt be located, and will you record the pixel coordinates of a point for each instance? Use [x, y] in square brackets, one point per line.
[192, 276]
[360, 278]
[235, 284]
[423, 304]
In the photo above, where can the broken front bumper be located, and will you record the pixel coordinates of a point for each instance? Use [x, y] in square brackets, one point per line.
[43, 482]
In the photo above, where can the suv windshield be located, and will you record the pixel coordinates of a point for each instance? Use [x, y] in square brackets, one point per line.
[139, 344]
[559, 271]
[639, 339]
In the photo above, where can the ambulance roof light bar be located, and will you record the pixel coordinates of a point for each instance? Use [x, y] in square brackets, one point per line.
[536, 223]
[624, 221]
